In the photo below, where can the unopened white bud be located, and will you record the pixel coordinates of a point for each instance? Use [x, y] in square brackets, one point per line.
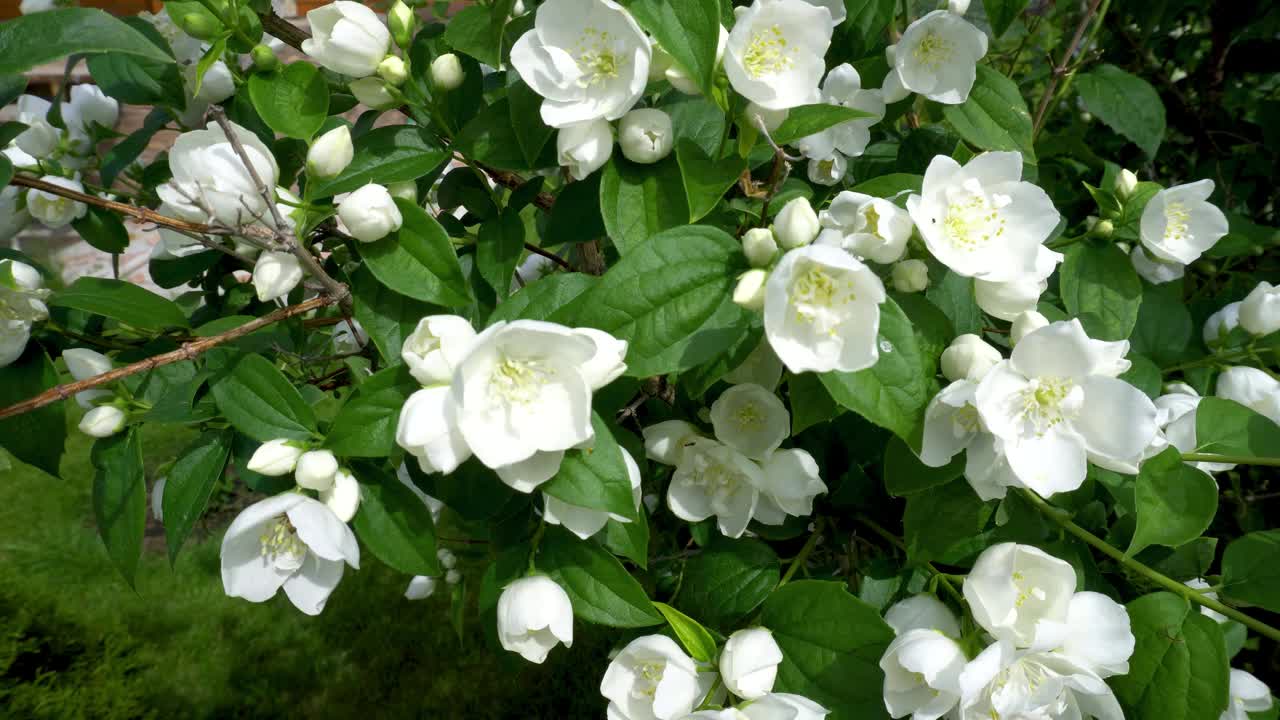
[910, 276]
[453, 577]
[446, 72]
[393, 70]
[760, 247]
[275, 458]
[1026, 323]
[316, 470]
[1126, 183]
[1260, 310]
[372, 92]
[331, 153]
[343, 497]
[103, 421]
[447, 559]
[968, 357]
[797, 225]
[645, 135]
[749, 292]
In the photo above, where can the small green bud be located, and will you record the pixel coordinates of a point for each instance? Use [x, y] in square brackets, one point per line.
[401, 21]
[393, 70]
[199, 25]
[264, 59]
[1104, 228]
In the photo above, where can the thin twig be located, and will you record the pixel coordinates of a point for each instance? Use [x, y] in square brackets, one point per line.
[287, 32]
[1060, 69]
[189, 351]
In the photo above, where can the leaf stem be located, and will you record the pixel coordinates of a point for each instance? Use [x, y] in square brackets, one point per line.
[1215, 359]
[1232, 459]
[803, 555]
[897, 542]
[1060, 69]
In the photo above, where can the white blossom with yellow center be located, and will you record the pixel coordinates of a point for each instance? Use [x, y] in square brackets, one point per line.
[713, 479]
[937, 57]
[1179, 223]
[751, 420]
[775, 52]
[652, 678]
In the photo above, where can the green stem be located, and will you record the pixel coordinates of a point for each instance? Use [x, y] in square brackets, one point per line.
[809, 545]
[533, 546]
[1169, 584]
[1233, 459]
[1217, 359]
[897, 542]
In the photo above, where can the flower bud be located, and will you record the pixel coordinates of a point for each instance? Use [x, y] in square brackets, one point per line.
[56, 211]
[393, 70]
[370, 213]
[447, 73]
[202, 25]
[664, 442]
[24, 276]
[401, 22]
[316, 470]
[759, 246]
[585, 147]
[330, 153]
[659, 62]
[102, 421]
[420, 587]
[407, 190]
[829, 170]
[264, 58]
[1026, 323]
[958, 7]
[275, 458]
[1218, 325]
[1104, 228]
[518, 9]
[347, 38]
[749, 662]
[645, 136]
[447, 559]
[276, 274]
[1126, 182]
[453, 577]
[749, 292]
[968, 357]
[772, 119]
[797, 225]
[1260, 310]
[343, 497]
[534, 615]
[84, 364]
[372, 92]
[217, 85]
[910, 276]
[1154, 270]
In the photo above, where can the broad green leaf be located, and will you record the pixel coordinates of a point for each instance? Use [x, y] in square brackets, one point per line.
[995, 116]
[42, 37]
[418, 261]
[125, 152]
[1128, 226]
[477, 31]
[639, 201]
[576, 215]
[891, 185]
[386, 315]
[601, 590]
[366, 425]
[706, 180]
[1143, 374]
[103, 229]
[176, 271]
[1164, 324]
[188, 485]
[1176, 502]
[629, 540]
[831, 647]
[36, 437]
[6, 170]
[262, 403]
[953, 295]
[727, 581]
[1250, 572]
[698, 120]
[539, 300]
[945, 523]
[1226, 427]
[905, 475]
[472, 491]
[1100, 286]
[697, 381]
[1126, 103]
[689, 31]
[894, 392]
[1178, 670]
[394, 524]
[11, 86]
[120, 498]
[491, 138]
[498, 250]
[122, 301]
[808, 120]
[524, 105]
[865, 23]
[293, 100]
[670, 298]
[596, 477]
[385, 155]
[811, 404]
[695, 638]
[1002, 13]
[138, 80]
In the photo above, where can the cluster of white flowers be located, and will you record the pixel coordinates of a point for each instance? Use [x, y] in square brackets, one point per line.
[1050, 647]
[22, 295]
[107, 412]
[1258, 314]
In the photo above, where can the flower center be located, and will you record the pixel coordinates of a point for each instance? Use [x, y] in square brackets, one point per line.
[1048, 401]
[597, 58]
[816, 295]
[871, 220]
[648, 675]
[966, 420]
[1177, 221]
[519, 380]
[749, 417]
[766, 53]
[1026, 593]
[281, 546]
[972, 223]
[717, 480]
[932, 51]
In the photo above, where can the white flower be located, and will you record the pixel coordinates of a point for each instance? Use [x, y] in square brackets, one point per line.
[1253, 389]
[822, 311]
[331, 153]
[1126, 182]
[585, 522]
[585, 147]
[749, 292]
[1010, 298]
[157, 498]
[980, 219]
[651, 679]
[88, 106]
[436, 346]
[771, 119]
[275, 458]
[1056, 403]
[1177, 418]
[372, 92]
[420, 587]
[829, 170]
[56, 211]
[1025, 323]
[102, 421]
[790, 480]
[342, 496]
[783, 706]
[843, 87]
[84, 364]
[952, 424]
[774, 56]
[751, 420]
[760, 247]
[588, 59]
[13, 340]
[922, 674]
[797, 224]
[370, 213]
[937, 57]
[217, 84]
[427, 429]
[447, 73]
[13, 211]
[1203, 587]
[40, 138]
[666, 441]
[210, 182]
[869, 227]
[28, 7]
[1153, 270]
[1221, 323]
[1097, 634]
[1260, 310]
[288, 541]
[1020, 593]
[910, 276]
[968, 357]
[534, 615]
[749, 662]
[276, 274]
[714, 479]
[1247, 695]
[922, 612]
[1006, 683]
[315, 470]
[1179, 224]
[761, 367]
[347, 38]
[645, 136]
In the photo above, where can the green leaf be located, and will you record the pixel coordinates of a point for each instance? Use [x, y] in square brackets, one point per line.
[1176, 502]
[6, 170]
[103, 229]
[1143, 374]
[539, 300]
[1164, 324]
[123, 153]
[262, 403]
[576, 215]
[11, 86]
[1250, 572]
[1002, 13]
[698, 120]
[120, 498]
[387, 316]
[995, 116]
[630, 540]
[596, 477]
[36, 437]
[727, 581]
[1100, 286]
[639, 201]
[138, 80]
[1226, 427]
[865, 23]
[1178, 670]
[386, 155]
[671, 300]
[1126, 103]
[831, 647]
[706, 180]
[599, 587]
[119, 300]
[189, 485]
[811, 404]
[498, 249]
[807, 120]
[293, 100]
[491, 138]
[524, 105]
[418, 261]
[472, 491]
[366, 425]
[477, 31]
[695, 638]
[173, 272]
[945, 523]
[905, 475]
[42, 37]
[394, 524]
[894, 392]
[891, 185]
[688, 31]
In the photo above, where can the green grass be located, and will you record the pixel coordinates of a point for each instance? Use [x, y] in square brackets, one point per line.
[77, 642]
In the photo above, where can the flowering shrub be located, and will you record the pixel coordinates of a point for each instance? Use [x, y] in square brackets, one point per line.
[846, 388]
